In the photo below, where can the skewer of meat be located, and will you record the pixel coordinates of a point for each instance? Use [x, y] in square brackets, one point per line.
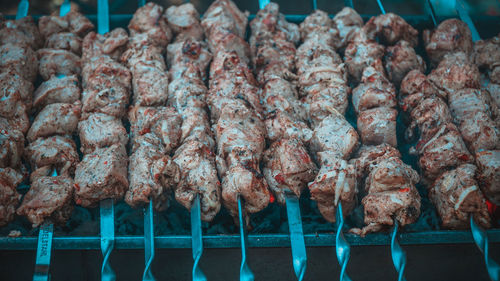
[487, 58]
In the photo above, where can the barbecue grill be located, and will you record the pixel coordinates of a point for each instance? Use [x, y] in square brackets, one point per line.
[298, 227]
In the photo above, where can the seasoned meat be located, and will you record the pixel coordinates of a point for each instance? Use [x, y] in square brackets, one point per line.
[348, 22]
[414, 88]
[112, 44]
[274, 58]
[281, 125]
[428, 116]
[107, 68]
[450, 36]
[487, 53]
[56, 152]
[15, 92]
[457, 196]
[369, 156]
[494, 90]
[187, 89]
[390, 28]
[11, 145]
[73, 22]
[488, 174]
[287, 168]
[378, 125]
[163, 122]
[49, 199]
[58, 62]
[183, 53]
[196, 126]
[196, 162]
[319, 23]
[9, 198]
[149, 19]
[150, 85]
[21, 60]
[374, 91]
[101, 175]
[23, 32]
[316, 52]
[184, 21]
[55, 119]
[361, 53]
[65, 41]
[101, 130]
[280, 94]
[57, 90]
[105, 96]
[19, 121]
[336, 135]
[152, 174]
[401, 59]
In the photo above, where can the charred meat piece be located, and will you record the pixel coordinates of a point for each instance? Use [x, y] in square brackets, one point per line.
[488, 174]
[487, 55]
[57, 90]
[196, 126]
[316, 52]
[184, 21]
[73, 22]
[65, 41]
[105, 67]
[187, 90]
[101, 175]
[401, 59]
[150, 20]
[348, 23]
[319, 24]
[374, 91]
[23, 32]
[450, 36]
[279, 94]
[188, 52]
[23, 61]
[49, 198]
[150, 85]
[58, 62]
[281, 125]
[104, 95]
[391, 28]
[361, 53]
[55, 119]
[457, 196]
[428, 116]
[378, 125]
[112, 44]
[57, 152]
[9, 198]
[369, 156]
[494, 90]
[11, 145]
[414, 88]
[15, 93]
[101, 130]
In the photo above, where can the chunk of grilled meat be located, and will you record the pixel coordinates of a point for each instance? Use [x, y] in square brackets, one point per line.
[149, 19]
[374, 91]
[55, 119]
[23, 61]
[101, 130]
[487, 56]
[348, 23]
[401, 59]
[57, 90]
[361, 53]
[65, 41]
[23, 32]
[184, 21]
[55, 152]
[9, 198]
[11, 145]
[73, 22]
[15, 94]
[390, 29]
[58, 62]
[488, 174]
[112, 44]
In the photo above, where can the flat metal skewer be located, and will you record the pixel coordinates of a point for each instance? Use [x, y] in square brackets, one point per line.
[246, 273]
[481, 240]
[379, 2]
[141, 3]
[197, 239]
[431, 12]
[348, 3]
[464, 16]
[342, 248]
[296, 236]
[22, 9]
[314, 5]
[65, 8]
[149, 241]
[263, 4]
[398, 255]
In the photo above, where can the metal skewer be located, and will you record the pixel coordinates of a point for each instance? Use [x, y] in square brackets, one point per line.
[314, 4]
[196, 239]
[149, 242]
[398, 255]
[464, 16]
[348, 3]
[296, 236]
[342, 248]
[379, 2]
[141, 3]
[65, 8]
[263, 3]
[431, 12]
[22, 9]
[246, 273]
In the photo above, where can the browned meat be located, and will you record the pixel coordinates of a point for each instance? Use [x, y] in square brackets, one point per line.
[319, 23]
[184, 21]
[414, 88]
[369, 156]
[378, 125]
[199, 176]
[488, 174]
[65, 41]
[57, 90]
[49, 199]
[101, 175]
[73, 22]
[391, 28]
[150, 85]
[104, 67]
[348, 23]
[187, 89]
[450, 36]
[274, 58]
[316, 52]
[58, 62]
[287, 168]
[374, 91]
[21, 60]
[105, 96]
[196, 126]
[189, 51]
[15, 93]
[55, 119]
[101, 130]
[281, 125]
[9, 198]
[18, 121]
[152, 174]
[11, 145]
[111, 44]
[487, 53]
[52, 24]
[150, 20]
[457, 196]
[56, 152]
[401, 59]
[494, 90]
[428, 116]
[280, 94]
[23, 32]
[361, 53]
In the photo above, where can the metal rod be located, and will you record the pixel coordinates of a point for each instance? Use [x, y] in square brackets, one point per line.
[141, 3]
[342, 248]
[263, 3]
[246, 273]
[102, 16]
[149, 242]
[348, 3]
[43, 252]
[107, 238]
[481, 239]
[65, 8]
[22, 9]
[398, 255]
[431, 12]
[464, 16]
[379, 2]
[197, 239]
[296, 236]
[314, 4]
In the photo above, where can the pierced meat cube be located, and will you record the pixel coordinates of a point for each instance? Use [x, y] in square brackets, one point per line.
[488, 175]
[105, 96]
[414, 88]
[78, 23]
[15, 92]
[196, 126]
[274, 58]
[466, 102]
[112, 44]
[184, 20]
[164, 122]
[150, 85]
[224, 14]
[494, 90]
[188, 89]
[58, 62]
[57, 90]
[348, 23]
[18, 121]
[105, 67]
[318, 23]
[450, 36]
[49, 198]
[374, 91]
[199, 176]
[11, 145]
[152, 174]
[268, 23]
[457, 196]
[487, 53]
[428, 116]
[55, 119]
[287, 168]
[378, 125]
[22, 32]
[57, 152]
[101, 175]
[73, 22]
[316, 53]
[189, 51]
[101, 130]
[401, 59]
[150, 19]
[9, 198]
[279, 94]
[391, 28]
[281, 125]
[65, 41]
[334, 134]
[361, 53]
[369, 156]
[21, 60]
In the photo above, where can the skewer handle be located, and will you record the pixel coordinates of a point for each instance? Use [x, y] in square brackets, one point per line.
[102, 16]
[149, 242]
[464, 16]
[398, 255]
[296, 236]
[481, 240]
[43, 252]
[22, 9]
[197, 239]
[342, 248]
[246, 273]
[382, 10]
[107, 238]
